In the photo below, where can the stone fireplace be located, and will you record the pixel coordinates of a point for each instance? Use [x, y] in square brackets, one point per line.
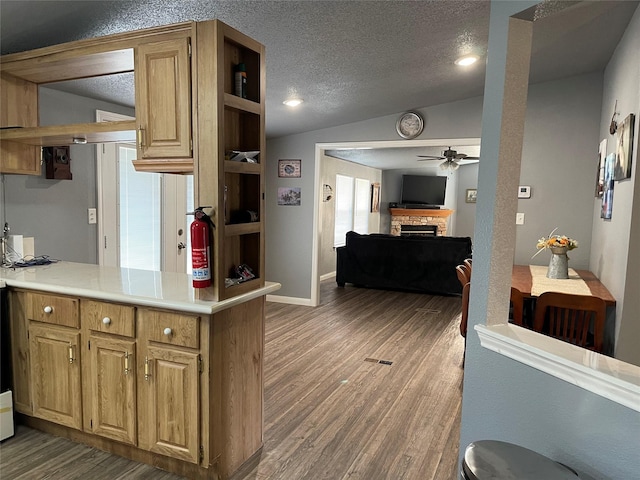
[419, 217]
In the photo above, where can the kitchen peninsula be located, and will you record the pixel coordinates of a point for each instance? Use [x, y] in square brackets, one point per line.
[129, 361]
[138, 363]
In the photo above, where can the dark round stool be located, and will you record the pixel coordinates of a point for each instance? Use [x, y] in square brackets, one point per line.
[492, 459]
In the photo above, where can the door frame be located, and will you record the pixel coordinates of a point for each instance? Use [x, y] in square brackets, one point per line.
[317, 194]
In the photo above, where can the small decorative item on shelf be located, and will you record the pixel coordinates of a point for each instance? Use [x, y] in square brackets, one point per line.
[242, 273]
[240, 156]
[559, 246]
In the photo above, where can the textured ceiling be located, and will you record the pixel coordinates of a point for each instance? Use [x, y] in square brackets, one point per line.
[349, 60]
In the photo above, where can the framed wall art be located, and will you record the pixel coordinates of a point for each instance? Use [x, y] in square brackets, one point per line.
[289, 196]
[607, 192]
[602, 154]
[289, 168]
[624, 148]
[472, 195]
[375, 197]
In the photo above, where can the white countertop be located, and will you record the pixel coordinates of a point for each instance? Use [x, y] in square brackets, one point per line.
[123, 285]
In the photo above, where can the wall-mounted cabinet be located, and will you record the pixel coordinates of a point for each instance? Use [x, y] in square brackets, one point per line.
[163, 98]
[188, 119]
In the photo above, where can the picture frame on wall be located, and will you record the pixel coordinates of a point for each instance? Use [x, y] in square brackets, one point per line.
[375, 197]
[471, 196]
[624, 148]
[602, 154]
[607, 194]
[289, 196]
[289, 168]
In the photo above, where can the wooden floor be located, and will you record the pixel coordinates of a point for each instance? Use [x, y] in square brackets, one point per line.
[331, 411]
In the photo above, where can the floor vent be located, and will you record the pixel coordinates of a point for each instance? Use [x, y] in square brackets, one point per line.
[430, 311]
[375, 360]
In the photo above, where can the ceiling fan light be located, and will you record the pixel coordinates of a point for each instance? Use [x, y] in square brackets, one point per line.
[466, 60]
[293, 102]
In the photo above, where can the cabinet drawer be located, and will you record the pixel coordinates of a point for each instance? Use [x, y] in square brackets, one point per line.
[42, 307]
[172, 328]
[109, 317]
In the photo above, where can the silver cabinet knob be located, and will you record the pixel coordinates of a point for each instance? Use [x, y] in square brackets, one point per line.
[167, 331]
[48, 309]
[106, 320]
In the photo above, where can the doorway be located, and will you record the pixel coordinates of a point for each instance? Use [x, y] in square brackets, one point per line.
[142, 221]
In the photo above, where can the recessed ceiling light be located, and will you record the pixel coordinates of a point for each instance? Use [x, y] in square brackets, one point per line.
[466, 60]
[293, 102]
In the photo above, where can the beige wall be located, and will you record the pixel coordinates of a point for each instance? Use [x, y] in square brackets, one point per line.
[329, 168]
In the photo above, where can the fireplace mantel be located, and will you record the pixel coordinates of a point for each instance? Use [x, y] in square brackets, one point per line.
[416, 212]
[415, 216]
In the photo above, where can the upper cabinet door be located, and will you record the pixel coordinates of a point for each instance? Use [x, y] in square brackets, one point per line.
[163, 99]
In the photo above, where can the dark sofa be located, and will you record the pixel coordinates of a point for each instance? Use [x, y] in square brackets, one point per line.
[415, 263]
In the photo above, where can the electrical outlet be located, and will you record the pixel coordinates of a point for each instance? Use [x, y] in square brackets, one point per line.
[519, 218]
[92, 216]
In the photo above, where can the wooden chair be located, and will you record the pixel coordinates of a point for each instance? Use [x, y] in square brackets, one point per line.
[517, 307]
[569, 318]
[468, 262]
[465, 309]
[463, 275]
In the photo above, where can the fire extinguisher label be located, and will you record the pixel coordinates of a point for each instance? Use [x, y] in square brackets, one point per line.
[200, 264]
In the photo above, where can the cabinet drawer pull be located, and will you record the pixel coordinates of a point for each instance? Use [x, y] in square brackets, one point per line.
[126, 363]
[167, 331]
[48, 309]
[147, 369]
[106, 320]
[71, 354]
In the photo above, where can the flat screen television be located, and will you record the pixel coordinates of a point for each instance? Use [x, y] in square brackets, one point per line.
[423, 190]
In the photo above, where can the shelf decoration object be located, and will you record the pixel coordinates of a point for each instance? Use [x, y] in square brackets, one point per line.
[289, 168]
[559, 245]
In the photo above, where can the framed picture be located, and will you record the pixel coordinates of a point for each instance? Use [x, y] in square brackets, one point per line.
[624, 148]
[289, 168]
[289, 196]
[375, 197]
[602, 154]
[607, 192]
[472, 195]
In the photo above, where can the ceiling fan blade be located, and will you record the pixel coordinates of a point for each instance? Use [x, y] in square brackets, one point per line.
[430, 157]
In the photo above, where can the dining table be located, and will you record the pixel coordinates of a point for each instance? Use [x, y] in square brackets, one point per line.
[532, 281]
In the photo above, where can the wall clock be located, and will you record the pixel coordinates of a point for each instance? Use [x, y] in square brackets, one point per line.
[409, 125]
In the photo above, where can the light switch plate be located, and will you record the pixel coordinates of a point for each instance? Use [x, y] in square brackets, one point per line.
[519, 218]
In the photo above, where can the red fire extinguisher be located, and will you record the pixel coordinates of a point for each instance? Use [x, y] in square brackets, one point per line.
[201, 249]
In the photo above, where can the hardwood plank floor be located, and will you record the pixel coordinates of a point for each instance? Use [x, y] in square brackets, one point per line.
[330, 411]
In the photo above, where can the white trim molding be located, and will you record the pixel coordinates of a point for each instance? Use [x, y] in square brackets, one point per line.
[605, 376]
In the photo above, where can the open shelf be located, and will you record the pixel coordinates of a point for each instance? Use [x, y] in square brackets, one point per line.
[103, 132]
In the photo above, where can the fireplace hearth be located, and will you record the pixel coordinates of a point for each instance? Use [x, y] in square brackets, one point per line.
[424, 230]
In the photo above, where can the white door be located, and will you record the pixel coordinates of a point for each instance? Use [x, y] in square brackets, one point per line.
[142, 221]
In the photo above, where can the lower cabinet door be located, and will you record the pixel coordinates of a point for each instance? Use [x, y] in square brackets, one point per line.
[170, 420]
[113, 398]
[55, 374]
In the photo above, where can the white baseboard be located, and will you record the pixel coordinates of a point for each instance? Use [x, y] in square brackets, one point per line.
[290, 300]
[327, 276]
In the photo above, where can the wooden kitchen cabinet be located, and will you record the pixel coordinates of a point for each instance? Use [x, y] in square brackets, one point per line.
[169, 370]
[113, 402]
[109, 370]
[55, 374]
[163, 104]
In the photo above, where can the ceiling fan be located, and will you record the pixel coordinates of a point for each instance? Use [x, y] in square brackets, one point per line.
[450, 158]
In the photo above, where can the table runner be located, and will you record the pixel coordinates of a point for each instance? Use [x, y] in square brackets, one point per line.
[540, 283]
